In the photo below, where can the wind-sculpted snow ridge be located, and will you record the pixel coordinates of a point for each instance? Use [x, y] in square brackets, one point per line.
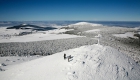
[92, 62]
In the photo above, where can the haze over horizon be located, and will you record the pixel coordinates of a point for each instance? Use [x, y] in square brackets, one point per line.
[53, 10]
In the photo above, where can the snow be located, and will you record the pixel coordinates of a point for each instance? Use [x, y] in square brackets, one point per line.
[9, 35]
[91, 62]
[93, 31]
[4, 31]
[86, 23]
[12, 60]
[24, 24]
[56, 31]
[58, 26]
[83, 24]
[125, 35]
[39, 37]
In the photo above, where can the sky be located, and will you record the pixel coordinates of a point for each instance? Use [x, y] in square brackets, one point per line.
[70, 10]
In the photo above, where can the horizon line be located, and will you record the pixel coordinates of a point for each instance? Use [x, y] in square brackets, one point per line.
[71, 20]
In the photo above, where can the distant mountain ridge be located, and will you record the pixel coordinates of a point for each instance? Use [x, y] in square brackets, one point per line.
[33, 27]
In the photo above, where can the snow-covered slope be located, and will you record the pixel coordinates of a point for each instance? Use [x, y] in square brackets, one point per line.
[93, 31]
[12, 35]
[11, 32]
[84, 24]
[92, 62]
[126, 35]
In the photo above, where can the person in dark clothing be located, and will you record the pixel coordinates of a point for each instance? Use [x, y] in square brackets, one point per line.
[64, 56]
[69, 57]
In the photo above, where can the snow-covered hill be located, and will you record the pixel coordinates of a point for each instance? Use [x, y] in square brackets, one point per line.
[27, 35]
[32, 27]
[92, 62]
[86, 23]
[83, 25]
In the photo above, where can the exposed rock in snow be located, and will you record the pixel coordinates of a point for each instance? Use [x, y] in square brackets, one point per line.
[3, 64]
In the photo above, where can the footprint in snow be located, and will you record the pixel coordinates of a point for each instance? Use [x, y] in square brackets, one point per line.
[72, 75]
[83, 63]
